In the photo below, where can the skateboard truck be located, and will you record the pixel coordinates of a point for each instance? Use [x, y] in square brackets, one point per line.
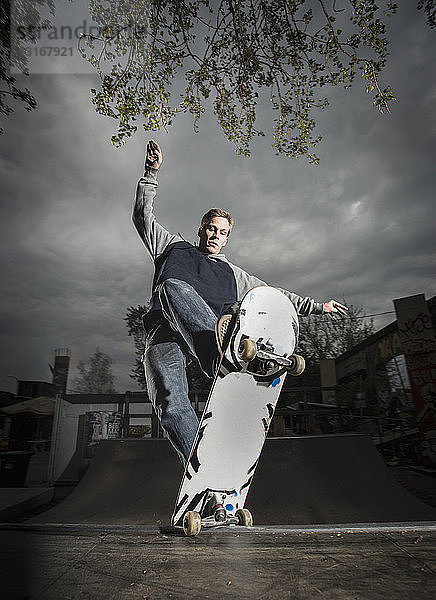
[267, 361]
[294, 363]
[214, 514]
[220, 513]
[193, 521]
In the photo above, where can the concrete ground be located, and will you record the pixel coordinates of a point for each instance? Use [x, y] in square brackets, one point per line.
[121, 562]
[40, 563]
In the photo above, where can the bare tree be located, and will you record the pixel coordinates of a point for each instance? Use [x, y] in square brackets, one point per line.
[321, 337]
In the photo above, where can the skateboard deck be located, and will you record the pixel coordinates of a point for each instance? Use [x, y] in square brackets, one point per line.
[239, 410]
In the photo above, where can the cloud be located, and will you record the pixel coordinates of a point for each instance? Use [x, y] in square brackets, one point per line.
[359, 225]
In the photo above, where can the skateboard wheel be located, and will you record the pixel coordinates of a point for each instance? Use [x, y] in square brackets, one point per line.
[247, 350]
[192, 523]
[244, 517]
[299, 365]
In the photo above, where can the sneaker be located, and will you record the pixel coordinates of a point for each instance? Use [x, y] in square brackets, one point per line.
[221, 330]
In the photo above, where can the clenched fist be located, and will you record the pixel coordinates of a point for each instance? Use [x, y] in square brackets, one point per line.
[153, 156]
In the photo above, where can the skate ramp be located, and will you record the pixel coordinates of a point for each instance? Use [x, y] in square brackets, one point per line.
[299, 481]
[132, 482]
[329, 479]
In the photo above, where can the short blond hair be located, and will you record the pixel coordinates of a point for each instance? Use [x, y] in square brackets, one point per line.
[216, 212]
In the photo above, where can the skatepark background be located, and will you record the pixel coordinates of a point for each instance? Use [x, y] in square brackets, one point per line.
[325, 503]
[341, 451]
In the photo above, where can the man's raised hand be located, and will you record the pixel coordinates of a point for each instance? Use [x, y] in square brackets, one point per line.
[153, 156]
[335, 309]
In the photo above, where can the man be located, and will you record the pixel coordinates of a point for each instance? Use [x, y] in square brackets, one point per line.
[192, 287]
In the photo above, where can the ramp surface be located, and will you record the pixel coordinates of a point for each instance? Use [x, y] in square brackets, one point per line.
[128, 482]
[299, 480]
[329, 479]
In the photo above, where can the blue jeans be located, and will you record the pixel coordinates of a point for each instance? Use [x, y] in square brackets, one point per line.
[185, 331]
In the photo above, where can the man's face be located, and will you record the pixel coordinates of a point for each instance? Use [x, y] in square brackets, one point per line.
[213, 236]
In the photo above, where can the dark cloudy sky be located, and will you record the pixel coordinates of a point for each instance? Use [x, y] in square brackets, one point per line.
[360, 225]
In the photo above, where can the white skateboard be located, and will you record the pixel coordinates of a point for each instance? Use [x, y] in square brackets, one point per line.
[258, 342]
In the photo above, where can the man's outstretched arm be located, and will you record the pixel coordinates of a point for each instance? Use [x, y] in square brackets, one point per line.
[307, 306]
[303, 305]
[155, 237]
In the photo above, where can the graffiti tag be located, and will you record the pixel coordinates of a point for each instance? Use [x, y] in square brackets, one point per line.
[416, 326]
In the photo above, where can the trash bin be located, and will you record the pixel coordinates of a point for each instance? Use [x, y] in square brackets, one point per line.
[13, 467]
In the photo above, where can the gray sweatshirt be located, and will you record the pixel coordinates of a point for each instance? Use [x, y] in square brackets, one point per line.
[218, 281]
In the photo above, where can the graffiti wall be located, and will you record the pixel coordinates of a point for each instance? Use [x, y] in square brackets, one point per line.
[417, 336]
